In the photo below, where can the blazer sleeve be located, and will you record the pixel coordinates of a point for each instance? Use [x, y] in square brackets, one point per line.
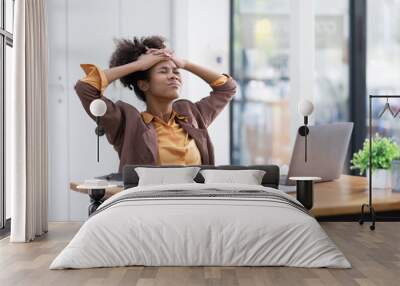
[210, 106]
[112, 121]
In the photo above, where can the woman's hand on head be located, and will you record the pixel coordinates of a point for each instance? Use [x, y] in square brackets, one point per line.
[180, 63]
[149, 59]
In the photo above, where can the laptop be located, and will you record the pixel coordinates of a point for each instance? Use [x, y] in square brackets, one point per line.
[326, 153]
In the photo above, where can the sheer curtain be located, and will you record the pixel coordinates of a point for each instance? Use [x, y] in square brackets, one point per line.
[26, 123]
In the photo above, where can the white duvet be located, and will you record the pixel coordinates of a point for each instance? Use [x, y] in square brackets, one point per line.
[185, 231]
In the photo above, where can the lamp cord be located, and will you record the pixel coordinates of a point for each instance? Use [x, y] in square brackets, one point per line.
[305, 144]
[98, 136]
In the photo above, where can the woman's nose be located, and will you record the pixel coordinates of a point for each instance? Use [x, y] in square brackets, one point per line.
[174, 76]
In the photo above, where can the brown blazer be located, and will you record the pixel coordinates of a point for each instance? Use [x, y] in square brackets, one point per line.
[136, 142]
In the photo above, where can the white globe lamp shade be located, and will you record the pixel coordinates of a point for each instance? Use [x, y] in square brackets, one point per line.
[305, 107]
[98, 107]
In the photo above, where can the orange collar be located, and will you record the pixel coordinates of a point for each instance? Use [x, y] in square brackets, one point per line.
[148, 117]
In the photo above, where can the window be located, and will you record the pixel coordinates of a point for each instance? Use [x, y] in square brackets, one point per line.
[9, 16]
[261, 51]
[383, 63]
[6, 44]
[261, 44]
[331, 96]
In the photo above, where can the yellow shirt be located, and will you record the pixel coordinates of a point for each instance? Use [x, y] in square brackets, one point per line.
[175, 146]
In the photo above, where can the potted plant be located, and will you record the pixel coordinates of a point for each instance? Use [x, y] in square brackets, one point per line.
[384, 150]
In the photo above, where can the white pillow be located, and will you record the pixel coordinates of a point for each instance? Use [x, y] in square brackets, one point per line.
[248, 177]
[164, 176]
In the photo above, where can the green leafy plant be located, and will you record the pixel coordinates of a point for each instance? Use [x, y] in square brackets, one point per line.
[384, 150]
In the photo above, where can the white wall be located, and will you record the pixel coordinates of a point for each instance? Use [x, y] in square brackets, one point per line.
[209, 39]
[83, 32]
[205, 25]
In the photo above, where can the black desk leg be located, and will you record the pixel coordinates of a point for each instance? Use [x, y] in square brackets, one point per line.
[371, 215]
[96, 196]
[304, 193]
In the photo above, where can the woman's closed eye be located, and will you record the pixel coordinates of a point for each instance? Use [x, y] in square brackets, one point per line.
[164, 70]
[167, 71]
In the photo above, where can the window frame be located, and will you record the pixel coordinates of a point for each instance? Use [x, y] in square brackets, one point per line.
[358, 75]
[6, 39]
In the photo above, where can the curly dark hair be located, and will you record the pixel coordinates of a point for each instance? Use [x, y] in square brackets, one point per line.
[128, 51]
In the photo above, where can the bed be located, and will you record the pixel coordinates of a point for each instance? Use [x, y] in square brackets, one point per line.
[201, 224]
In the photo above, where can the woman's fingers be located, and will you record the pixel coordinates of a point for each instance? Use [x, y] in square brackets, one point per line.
[160, 58]
[164, 58]
[159, 51]
[159, 55]
[150, 51]
[169, 51]
[153, 50]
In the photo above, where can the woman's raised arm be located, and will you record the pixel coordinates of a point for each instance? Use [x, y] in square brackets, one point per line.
[204, 73]
[144, 62]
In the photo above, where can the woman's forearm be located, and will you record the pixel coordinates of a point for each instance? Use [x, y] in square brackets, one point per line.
[121, 71]
[206, 74]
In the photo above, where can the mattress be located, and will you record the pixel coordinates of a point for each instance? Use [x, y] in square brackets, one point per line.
[201, 225]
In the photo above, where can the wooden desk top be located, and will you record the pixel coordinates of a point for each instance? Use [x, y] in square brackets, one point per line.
[109, 191]
[340, 197]
[347, 194]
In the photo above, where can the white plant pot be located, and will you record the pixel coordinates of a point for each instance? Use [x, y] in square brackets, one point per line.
[381, 179]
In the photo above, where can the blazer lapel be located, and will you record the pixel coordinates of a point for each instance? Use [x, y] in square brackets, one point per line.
[200, 137]
[150, 138]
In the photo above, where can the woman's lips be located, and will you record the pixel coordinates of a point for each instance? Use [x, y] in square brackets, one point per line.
[174, 84]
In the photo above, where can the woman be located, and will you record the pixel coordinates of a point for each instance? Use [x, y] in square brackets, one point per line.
[170, 131]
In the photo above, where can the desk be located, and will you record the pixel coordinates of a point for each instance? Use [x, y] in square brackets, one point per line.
[109, 191]
[346, 195]
[340, 197]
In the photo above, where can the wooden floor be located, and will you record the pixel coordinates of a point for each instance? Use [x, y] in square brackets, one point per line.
[375, 257]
